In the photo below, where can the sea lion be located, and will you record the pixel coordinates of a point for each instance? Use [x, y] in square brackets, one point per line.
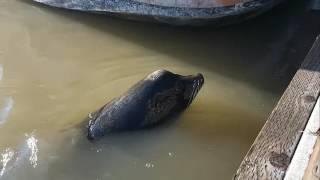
[151, 101]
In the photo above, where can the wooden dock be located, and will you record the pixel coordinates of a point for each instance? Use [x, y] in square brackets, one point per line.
[313, 169]
[279, 149]
[304, 163]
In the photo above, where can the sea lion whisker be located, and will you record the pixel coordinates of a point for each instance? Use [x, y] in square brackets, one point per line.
[195, 89]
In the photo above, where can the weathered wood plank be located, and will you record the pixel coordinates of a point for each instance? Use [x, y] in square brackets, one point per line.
[306, 148]
[271, 152]
[313, 170]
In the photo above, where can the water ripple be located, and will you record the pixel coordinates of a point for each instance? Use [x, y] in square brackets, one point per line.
[6, 109]
[6, 157]
[32, 145]
[15, 160]
[1, 72]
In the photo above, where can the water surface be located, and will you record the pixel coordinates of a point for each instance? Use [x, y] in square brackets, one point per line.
[57, 66]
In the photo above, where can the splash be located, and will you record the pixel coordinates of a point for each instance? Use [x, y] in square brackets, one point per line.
[6, 157]
[170, 154]
[149, 165]
[32, 143]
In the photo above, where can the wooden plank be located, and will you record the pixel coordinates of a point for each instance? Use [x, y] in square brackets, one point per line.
[305, 153]
[313, 170]
[273, 149]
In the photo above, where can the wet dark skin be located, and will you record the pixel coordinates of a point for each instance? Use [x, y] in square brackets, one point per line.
[152, 100]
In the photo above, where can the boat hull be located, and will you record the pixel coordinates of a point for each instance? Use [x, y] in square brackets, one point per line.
[180, 15]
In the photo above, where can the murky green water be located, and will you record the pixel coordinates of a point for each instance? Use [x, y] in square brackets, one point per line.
[57, 66]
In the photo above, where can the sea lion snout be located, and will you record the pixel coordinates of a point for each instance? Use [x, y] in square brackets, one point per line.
[193, 85]
[199, 77]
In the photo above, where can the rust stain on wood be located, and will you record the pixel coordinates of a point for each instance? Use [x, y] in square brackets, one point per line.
[273, 149]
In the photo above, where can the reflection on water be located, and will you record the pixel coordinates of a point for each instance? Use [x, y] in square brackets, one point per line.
[17, 160]
[6, 157]
[6, 105]
[32, 145]
[58, 66]
[5, 109]
[1, 72]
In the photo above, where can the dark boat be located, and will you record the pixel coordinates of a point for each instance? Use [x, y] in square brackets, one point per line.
[177, 12]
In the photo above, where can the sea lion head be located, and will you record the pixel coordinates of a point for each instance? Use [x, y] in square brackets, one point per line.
[182, 88]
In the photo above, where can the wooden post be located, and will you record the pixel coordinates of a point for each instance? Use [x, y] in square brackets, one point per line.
[274, 147]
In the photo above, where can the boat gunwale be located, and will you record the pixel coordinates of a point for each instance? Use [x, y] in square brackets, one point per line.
[172, 15]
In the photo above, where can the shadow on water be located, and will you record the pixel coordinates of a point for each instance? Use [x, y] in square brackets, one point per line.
[262, 52]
